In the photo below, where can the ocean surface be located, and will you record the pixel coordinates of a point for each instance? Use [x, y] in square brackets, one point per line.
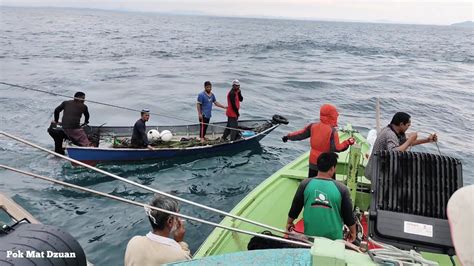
[159, 61]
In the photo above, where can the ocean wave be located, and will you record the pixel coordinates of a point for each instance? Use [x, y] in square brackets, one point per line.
[285, 67]
[304, 47]
[311, 84]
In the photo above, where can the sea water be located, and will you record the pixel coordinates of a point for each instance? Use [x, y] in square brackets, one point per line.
[160, 62]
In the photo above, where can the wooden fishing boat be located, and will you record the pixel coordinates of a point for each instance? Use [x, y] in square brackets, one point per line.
[269, 204]
[185, 142]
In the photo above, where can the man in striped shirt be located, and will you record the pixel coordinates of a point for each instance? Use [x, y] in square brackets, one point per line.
[394, 138]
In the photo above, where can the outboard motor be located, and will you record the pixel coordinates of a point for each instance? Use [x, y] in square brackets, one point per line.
[410, 196]
[38, 244]
[58, 135]
[278, 119]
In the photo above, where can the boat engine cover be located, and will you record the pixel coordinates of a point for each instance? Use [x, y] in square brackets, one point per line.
[38, 244]
[410, 196]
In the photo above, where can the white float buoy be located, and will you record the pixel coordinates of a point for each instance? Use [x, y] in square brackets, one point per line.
[153, 135]
[166, 135]
[371, 137]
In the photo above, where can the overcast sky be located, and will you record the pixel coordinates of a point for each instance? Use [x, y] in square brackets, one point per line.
[441, 12]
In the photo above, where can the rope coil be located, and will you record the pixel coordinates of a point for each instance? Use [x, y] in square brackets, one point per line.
[390, 255]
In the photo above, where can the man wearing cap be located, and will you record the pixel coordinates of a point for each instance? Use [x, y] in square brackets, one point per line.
[139, 137]
[204, 107]
[72, 114]
[234, 97]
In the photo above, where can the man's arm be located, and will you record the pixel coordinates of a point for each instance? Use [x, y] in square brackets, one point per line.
[340, 146]
[346, 210]
[353, 233]
[297, 203]
[403, 147]
[241, 98]
[431, 138]
[141, 129]
[218, 104]
[393, 146]
[86, 115]
[300, 134]
[179, 237]
[57, 111]
[346, 207]
[198, 106]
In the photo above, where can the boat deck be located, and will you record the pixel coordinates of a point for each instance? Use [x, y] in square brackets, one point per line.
[270, 202]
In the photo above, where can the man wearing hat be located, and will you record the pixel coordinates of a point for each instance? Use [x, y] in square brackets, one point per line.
[139, 137]
[234, 97]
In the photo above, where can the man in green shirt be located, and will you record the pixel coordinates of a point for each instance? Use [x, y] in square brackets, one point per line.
[327, 203]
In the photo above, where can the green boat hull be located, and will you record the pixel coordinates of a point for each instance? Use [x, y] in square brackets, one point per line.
[269, 202]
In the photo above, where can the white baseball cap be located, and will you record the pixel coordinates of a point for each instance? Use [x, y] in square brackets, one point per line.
[236, 82]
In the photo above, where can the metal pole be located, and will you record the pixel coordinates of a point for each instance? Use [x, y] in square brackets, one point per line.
[154, 208]
[353, 167]
[377, 115]
[143, 186]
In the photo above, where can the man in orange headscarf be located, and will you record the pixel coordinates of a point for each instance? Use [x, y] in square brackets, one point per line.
[324, 137]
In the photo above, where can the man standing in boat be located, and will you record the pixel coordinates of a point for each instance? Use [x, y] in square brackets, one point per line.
[204, 107]
[72, 114]
[393, 138]
[234, 97]
[324, 137]
[327, 203]
[164, 244]
[139, 137]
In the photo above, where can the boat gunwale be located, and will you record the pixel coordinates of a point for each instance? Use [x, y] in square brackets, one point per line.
[185, 125]
[243, 205]
[264, 133]
[219, 235]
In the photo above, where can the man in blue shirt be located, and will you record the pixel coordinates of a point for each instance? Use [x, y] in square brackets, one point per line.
[204, 107]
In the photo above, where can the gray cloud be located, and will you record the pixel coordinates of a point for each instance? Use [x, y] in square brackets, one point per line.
[419, 12]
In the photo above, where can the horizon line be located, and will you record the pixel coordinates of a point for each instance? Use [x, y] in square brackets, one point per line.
[203, 14]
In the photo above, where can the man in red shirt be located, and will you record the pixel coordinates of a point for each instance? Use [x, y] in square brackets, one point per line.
[324, 137]
[234, 97]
